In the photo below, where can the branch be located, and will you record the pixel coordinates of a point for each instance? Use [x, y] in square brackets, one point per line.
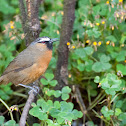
[26, 109]
[66, 33]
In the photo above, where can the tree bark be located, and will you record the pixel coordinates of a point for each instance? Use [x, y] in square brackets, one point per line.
[63, 51]
[30, 19]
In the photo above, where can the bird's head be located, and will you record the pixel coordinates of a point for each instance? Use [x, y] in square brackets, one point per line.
[46, 41]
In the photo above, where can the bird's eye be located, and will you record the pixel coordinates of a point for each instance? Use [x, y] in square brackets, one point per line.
[42, 42]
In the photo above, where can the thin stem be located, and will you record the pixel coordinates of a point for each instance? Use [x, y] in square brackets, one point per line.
[114, 97]
[89, 98]
[11, 115]
[87, 78]
[93, 58]
[20, 94]
[100, 117]
[95, 100]
[94, 104]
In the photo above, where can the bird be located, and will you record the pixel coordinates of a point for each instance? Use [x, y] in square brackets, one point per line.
[29, 64]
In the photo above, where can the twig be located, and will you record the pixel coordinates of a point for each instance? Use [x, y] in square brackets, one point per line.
[27, 106]
[80, 101]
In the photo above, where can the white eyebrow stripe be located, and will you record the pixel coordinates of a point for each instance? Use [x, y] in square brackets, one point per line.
[45, 39]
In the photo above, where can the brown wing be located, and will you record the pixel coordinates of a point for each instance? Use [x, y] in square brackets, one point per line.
[25, 59]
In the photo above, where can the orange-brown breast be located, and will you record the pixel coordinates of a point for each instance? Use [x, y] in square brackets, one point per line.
[39, 67]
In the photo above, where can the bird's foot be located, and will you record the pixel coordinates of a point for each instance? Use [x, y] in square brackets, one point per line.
[33, 88]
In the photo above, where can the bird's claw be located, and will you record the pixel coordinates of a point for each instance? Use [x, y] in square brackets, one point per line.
[33, 88]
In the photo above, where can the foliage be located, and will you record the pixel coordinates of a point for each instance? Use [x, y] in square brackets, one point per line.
[97, 59]
[8, 123]
[62, 112]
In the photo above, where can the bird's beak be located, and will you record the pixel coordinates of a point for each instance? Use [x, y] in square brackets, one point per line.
[54, 40]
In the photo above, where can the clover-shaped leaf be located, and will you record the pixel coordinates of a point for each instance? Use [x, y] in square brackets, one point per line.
[38, 112]
[44, 81]
[64, 96]
[106, 112]
[97, 79]
[57, 93]
[53, 83]
[77, 114]
[66, 89]
[49, 76]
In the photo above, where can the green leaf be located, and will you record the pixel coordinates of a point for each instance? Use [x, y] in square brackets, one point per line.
[49, 76]
[50, 92]
[90, 123]
[80, 67]
[96, 10]
[64, 96]
[40, 102]
[123, 39]
[1, 120]
[89, 50]
[97, 67]
[120, 56]
[111, 84]
[37, 112]
[54, 112]
[122, 117]
[122, 68]
[66, 89]
[57, 104]
[117, 111]
[65, 107]
[10, 123]
[60, 120]
[44, 82]
[33, 104]
[111, 38]
[97, 79]
[101, 66]
[93, 92]
[88, 65]
[6, 8]
[53, 83]
[77, 114]
[80, 52]
[57, 93]
[106, 66]
[106, 112]
[36, 124]
[104, 58]
[104, 83]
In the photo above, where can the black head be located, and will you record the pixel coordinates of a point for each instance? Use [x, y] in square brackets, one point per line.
[47, 41]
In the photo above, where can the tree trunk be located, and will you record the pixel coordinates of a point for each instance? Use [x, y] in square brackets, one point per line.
[66, 33]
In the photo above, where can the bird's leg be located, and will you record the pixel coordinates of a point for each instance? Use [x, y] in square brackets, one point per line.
[34, 88]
